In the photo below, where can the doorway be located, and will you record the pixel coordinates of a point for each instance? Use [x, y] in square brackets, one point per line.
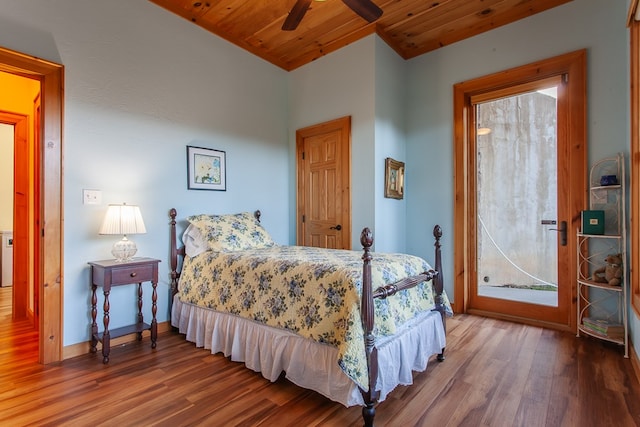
[520, 146]
[323, 154]
[46, 241]
[17, 202]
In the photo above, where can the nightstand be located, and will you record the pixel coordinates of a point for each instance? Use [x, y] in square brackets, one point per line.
[111, 273]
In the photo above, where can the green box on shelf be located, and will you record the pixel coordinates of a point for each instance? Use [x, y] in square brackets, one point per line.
[593, 222]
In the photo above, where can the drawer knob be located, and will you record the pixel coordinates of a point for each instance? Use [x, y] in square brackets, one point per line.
[134, 274]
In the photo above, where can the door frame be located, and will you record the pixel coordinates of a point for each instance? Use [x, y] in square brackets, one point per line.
[573, 65]
[49, 259]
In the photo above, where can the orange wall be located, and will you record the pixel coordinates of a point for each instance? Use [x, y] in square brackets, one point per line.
[16, 96]
[6, 177]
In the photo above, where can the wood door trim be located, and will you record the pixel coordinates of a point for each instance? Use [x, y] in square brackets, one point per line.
[35, 227]
[343, 125]
[572, 64]
[20, 299]
[634, 194]
[49, 190]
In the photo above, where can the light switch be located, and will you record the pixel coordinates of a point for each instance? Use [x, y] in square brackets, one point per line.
[91, 197]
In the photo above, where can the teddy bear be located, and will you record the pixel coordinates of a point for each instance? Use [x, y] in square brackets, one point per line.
[610, 273]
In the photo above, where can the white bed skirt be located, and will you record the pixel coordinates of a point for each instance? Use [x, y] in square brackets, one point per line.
[307, 363]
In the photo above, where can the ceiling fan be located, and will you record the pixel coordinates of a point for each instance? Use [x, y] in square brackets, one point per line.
[365, 8]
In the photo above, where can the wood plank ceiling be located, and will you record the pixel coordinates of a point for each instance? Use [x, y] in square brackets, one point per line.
[410, 27]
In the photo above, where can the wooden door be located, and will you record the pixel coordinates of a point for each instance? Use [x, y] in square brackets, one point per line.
[324, 185]
[522, 254]
[571, 181]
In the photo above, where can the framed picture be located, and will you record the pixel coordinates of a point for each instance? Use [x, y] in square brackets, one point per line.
[206, 169]
[393, 179]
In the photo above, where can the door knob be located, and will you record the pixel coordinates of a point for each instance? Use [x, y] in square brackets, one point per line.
[563, 232]
[337, 227]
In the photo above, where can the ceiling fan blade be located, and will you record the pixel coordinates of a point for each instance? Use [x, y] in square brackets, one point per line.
[295, 15]
[365, 8]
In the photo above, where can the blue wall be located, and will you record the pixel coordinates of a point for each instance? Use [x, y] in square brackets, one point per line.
[598, 26]
[137, 94]
[333, 86]
[594, 25]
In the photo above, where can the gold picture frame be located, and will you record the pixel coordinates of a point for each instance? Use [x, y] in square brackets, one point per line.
[393, 179]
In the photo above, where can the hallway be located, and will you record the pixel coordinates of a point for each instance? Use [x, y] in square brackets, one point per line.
[18, 339]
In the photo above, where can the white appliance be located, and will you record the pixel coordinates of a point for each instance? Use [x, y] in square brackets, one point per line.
[6, 258]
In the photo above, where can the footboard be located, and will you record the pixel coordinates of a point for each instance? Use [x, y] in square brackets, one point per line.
[367, 311]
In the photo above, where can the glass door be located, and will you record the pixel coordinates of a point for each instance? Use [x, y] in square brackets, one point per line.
[519, 226]
[516, 197]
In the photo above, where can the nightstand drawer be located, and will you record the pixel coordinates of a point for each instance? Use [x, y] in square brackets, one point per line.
[129, 274]
[109, 273]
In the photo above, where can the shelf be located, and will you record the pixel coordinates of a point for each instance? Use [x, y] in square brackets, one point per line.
[601, 236]
[600, 285]
[606, 187]
[615, 339]
[126, 330]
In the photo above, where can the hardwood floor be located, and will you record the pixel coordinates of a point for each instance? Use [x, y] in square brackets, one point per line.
[18, 339]
[496, 374]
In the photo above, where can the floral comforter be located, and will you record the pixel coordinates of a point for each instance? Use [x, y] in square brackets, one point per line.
[313, 292]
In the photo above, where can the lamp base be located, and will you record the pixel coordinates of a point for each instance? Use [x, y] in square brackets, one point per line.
[124, 249]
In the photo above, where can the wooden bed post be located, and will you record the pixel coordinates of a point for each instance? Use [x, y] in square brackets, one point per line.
[367, 311]
[438, 283]
[367, 315]
[174, 254]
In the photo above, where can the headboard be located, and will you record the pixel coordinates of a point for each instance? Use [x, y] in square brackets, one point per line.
[178, 252]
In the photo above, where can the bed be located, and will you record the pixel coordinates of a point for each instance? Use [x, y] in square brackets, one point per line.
[347, 324]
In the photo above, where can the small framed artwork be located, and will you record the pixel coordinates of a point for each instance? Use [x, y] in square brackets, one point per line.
[206, 169]
[393, 179]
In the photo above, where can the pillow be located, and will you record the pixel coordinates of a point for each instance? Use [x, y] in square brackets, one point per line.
[232, 232]
[194, 243]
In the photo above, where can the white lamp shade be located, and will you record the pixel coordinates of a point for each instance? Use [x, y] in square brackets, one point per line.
[123, 219]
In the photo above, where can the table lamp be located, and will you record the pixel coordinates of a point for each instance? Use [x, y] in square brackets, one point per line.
[123, 219]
